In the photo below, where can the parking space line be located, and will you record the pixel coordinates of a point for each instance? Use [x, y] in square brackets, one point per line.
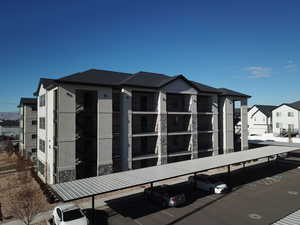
[212, 197]
[167, 213]
[137, 222]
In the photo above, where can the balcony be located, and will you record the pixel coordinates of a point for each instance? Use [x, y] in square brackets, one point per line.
[178, 103]
[178, 158]
[144, 101]
[204, 104]
[137, 164]
[179, 144]
[205, 123]
[179, 123]
[144, 124]
[144, 147]
[205, 141]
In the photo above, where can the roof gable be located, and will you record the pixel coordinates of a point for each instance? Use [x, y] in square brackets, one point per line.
[266, 109]
[180, 85]
[294, 105]
[47, 83]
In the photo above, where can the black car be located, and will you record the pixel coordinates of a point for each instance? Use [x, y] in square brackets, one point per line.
[166, 195]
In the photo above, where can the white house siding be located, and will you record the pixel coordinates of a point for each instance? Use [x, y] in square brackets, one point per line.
[41, 133]
[283, 120]
[29, 129]
[258, 122]
[49, 141]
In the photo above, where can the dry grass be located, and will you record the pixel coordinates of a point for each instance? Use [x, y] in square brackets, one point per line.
[13, 182]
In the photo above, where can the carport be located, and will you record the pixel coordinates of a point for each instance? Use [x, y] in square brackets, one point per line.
[90, 187]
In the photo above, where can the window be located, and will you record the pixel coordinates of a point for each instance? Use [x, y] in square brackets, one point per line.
[59, 214]
[33, 136]
[278, 125]
[41, 167]
[42, 145]
[33, 122]
[33, 108]
[33, 150]
[42, 100]
[290, 114]
[42, 122]
[278, 114]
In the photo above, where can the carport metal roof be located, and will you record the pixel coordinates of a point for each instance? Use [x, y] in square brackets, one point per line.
[293, 218]
[90, 187]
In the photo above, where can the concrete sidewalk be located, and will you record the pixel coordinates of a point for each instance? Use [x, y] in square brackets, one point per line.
[101, 203]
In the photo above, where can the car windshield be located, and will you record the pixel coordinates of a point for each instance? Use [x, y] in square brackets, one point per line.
[72, 215]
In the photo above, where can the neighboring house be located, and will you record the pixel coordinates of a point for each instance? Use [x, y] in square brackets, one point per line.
[28, 125]
[10, 128]
[285, 117]
[98, 122]
[260, 119]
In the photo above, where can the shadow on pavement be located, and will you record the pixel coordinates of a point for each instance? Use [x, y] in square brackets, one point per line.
[100, 216]
[136, 206]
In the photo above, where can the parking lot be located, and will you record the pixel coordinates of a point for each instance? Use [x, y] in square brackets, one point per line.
[260, 195]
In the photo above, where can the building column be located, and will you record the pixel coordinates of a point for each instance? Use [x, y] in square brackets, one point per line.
[215, 125]
[162, 144]
[194, 127]
[227, 124]
[126, 128]
[104, 134]
[244, 125]
[66, 165]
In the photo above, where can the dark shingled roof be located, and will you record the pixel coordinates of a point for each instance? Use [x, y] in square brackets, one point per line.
[146, 79]
[295, 105]
[140, 79]
[46, 83]
[228, 92]
[266, 109]
[205, 88]
[96, 77]
[27, 101]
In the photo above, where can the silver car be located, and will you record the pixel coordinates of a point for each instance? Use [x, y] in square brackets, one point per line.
[166, 195]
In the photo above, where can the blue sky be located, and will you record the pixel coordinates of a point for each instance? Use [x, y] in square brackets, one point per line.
[249, 46]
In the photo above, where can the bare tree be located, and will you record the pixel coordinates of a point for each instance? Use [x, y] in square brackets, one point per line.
[26, 203]
[23, 167]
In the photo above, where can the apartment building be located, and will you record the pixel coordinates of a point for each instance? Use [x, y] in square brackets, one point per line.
[98, 122]
[260, 119]
[285, 117]
[28, 125]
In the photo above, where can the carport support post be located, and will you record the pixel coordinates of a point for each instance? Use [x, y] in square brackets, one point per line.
[228, 176]
[93, 208]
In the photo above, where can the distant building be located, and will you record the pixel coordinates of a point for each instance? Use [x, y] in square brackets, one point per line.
[98, 122]
[28, 125]
[260, 119]
[10, 128]
[285, 117]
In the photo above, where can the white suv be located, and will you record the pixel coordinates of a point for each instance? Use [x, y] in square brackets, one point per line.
[69, 214]
[208, 183]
